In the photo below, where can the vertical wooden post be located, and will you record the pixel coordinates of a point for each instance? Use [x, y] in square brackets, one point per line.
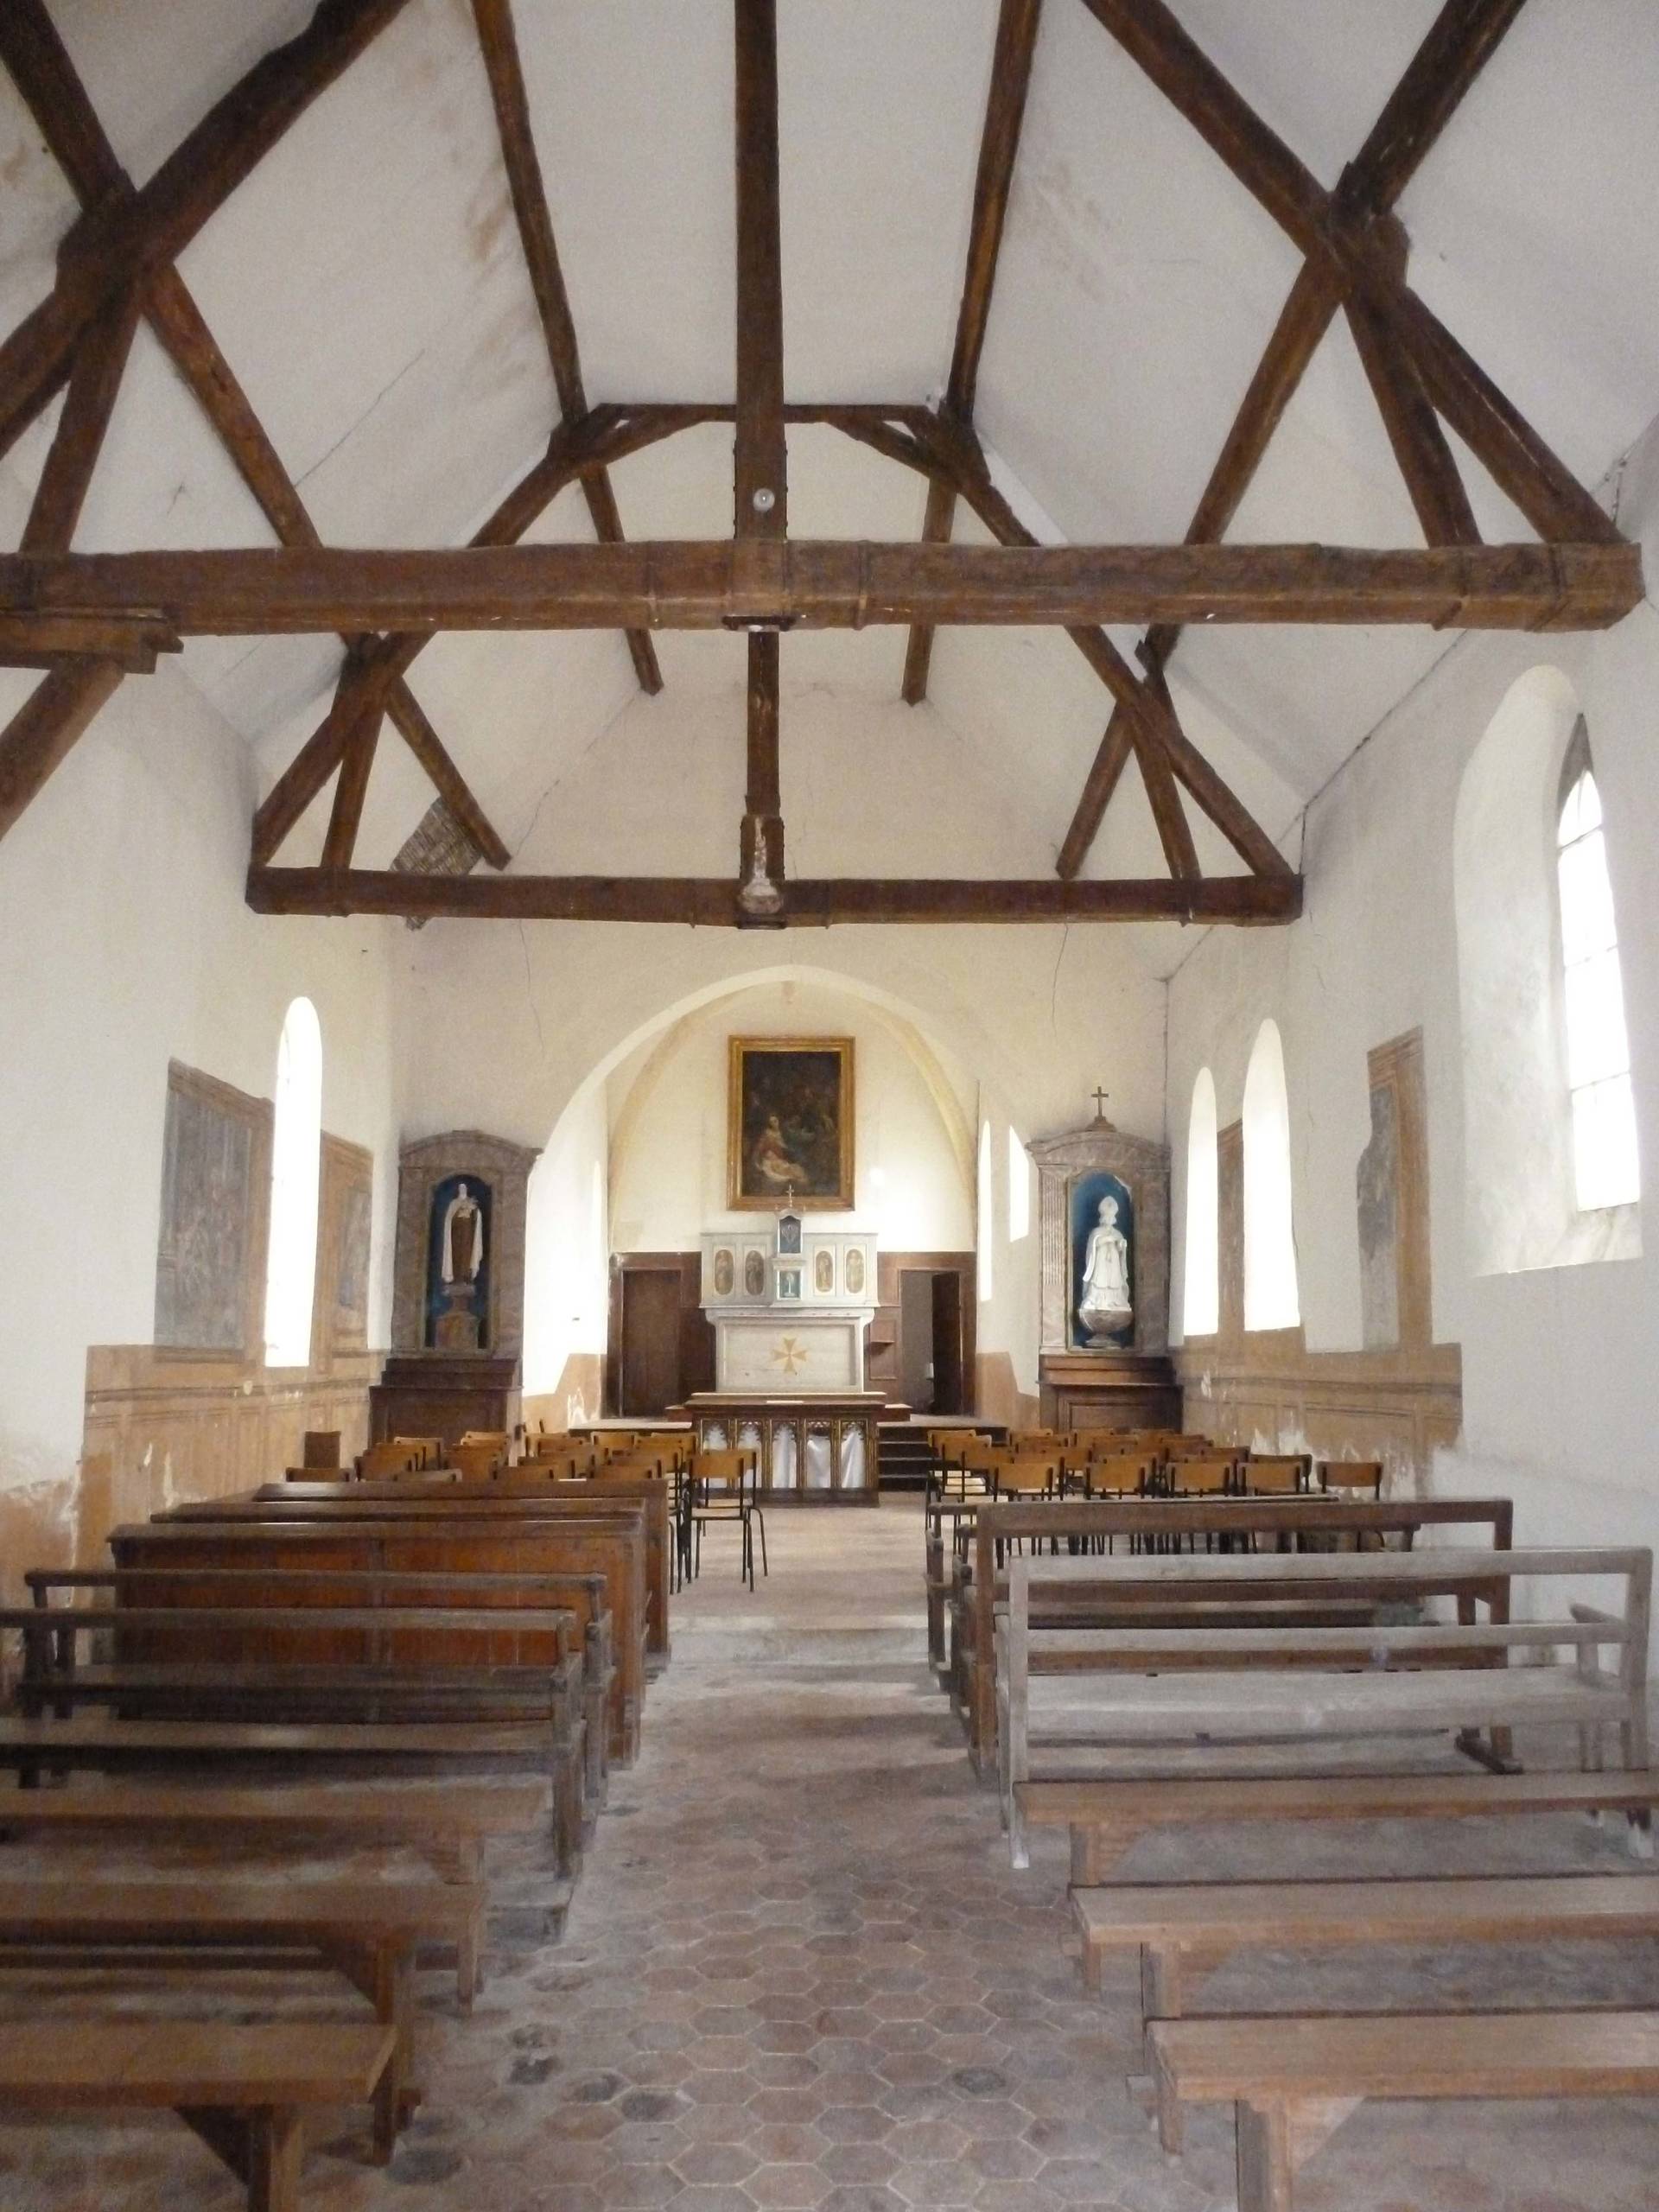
[761, 461]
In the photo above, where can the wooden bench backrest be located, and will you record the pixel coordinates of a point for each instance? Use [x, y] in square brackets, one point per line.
[1278, 1473]
[515, 1492]
[610, 1547]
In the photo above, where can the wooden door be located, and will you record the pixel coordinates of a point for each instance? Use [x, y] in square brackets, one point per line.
[651, 1340]
[916, 1339]
[947, 1344]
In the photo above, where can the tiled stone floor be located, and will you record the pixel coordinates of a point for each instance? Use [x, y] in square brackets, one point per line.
[799, 1973]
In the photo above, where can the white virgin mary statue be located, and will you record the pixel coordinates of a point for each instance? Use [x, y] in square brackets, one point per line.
[1105, 1308]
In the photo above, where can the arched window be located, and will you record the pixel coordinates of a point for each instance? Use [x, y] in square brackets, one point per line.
[1270, 1294]
[1019, 1188]
[987, 1214]
[1605, 1166]
[1201, 1303]
[291, 1266]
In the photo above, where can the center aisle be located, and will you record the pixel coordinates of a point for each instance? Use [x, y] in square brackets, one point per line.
[798, 1971]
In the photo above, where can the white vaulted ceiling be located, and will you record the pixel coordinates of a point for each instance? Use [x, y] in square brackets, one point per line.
[367, 285]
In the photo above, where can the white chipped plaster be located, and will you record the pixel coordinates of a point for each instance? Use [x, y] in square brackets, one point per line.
[1557, 1362]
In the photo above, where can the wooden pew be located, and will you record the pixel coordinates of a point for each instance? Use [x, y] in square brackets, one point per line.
[1293, 2081]
[1104, 1818]
[262, 1537]
[369, 1930]
[244, 2090]
[508, 1497]
[93, 1743]
[1176, 1926]
[447, 1827]
[537, 1485]
[1280, 1520]
[329, 1664]
[585, 1594]
[1086, 1703]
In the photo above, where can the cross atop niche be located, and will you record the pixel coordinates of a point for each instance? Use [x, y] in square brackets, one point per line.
[1100, 1097]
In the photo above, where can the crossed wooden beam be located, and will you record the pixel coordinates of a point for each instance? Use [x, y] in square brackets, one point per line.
[88, 619]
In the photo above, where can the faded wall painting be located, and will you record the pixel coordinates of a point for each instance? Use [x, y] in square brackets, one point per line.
[1377, 1196]
[790, 1122]
[344, 1243]
[215, 1177]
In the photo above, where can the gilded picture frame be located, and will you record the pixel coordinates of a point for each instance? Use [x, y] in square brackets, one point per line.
[790, 1113]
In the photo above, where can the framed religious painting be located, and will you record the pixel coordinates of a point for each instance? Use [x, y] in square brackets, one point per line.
[789, 1123]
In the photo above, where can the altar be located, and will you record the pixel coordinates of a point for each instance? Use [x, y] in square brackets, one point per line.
[791, 1307]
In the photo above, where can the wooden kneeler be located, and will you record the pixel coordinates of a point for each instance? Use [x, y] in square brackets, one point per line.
[243, 2089]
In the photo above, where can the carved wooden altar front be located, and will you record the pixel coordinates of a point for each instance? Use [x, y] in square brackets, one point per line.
[819, 1450]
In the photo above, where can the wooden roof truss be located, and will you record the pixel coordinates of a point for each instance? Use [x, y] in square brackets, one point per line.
[89, 620]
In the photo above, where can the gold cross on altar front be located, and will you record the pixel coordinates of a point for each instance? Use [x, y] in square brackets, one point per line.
[789, 1356]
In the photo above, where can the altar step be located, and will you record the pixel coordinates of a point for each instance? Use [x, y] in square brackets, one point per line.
[902, 1455]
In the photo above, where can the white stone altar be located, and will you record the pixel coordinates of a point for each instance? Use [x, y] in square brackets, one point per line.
[789, 1306]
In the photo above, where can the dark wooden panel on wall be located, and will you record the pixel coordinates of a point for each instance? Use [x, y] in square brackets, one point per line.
[671, 1334]
[429, 1393]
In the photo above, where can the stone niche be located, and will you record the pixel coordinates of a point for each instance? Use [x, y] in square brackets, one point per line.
[497, 1174]
[1124, 1380]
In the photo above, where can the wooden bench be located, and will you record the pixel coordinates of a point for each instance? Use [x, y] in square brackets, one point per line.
[1293, 2081]
[1177, 1925]
[369, 1930]
[584, 1594]
[380, 1664]
[1105, 1818]
[247, 1536]
[1350, 1682]
[447, 1827]
[243, 2089]
[526, 1485]
[1280, 1521]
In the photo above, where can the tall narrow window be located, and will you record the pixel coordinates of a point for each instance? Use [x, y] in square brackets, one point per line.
[987, 1210]
[1605, 1169]
[1019, 1189]
[291, 1267]
[1270, 1295]
[1201, 1302]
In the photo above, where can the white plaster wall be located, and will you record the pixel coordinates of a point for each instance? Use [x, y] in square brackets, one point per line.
[518, 1016]
[566, 1250]
[1558, 1363]
[912, 1172]
[124, 941]
[503, 1026]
